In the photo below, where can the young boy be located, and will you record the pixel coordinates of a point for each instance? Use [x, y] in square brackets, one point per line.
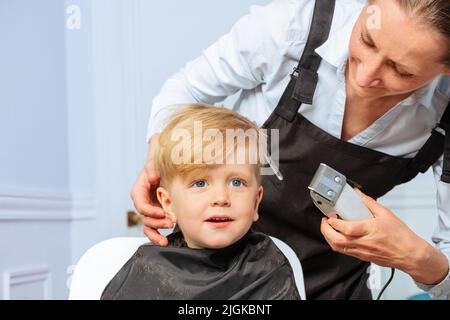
[209, 161]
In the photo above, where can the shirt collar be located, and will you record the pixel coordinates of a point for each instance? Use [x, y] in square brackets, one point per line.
[423, 96]
[335, 49]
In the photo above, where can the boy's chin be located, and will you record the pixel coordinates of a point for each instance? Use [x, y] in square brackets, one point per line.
[219, 243]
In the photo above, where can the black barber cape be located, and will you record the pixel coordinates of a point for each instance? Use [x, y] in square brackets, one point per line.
[253, 268]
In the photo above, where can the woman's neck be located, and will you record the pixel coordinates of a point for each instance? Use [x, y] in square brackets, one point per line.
[361, 112]
[378, 105]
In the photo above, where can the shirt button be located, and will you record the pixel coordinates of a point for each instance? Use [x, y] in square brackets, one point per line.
[437, 292]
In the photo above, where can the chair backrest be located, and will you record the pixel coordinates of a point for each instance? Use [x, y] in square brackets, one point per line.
[295, 265]
[100, 264]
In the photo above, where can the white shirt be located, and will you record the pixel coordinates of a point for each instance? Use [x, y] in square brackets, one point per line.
[258, 55]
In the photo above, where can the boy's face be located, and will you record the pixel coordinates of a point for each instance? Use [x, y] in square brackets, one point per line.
[216, 208]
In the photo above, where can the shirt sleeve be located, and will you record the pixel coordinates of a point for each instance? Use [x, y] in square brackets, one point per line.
[238, 60]
[441, 235]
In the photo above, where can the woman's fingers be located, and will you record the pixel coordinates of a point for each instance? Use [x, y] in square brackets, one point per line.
[155, 237]
[351, 228]
[337, 241]
[142, 204]
[153, 217]
[144, 198]
[159, 223]
[141, 196]
[374, 207]
[152, 175]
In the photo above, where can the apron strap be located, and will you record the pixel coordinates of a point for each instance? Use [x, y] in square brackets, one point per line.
[304, 79]
[445, 125]
[433, 148]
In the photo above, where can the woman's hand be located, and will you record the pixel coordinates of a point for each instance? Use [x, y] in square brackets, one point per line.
[386, 241]
[144, 198]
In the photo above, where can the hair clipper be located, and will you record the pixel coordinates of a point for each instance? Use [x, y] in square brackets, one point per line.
[332, 194]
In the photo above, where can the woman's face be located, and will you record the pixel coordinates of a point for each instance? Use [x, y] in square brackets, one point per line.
[391, 53]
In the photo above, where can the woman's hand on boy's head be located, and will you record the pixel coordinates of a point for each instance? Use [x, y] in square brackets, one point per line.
[144, 198]
[153, 216]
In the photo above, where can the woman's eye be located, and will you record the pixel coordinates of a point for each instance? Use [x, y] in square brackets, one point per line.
[199, 184]
[365, 42]
[405, 75]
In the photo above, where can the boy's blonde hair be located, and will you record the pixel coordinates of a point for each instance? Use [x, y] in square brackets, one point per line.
[185, 121]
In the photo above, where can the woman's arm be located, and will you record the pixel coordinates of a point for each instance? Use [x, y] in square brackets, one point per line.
[441, 235]
[238, 60]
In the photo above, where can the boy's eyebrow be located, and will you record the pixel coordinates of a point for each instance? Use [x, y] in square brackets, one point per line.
[206, 174]
[196, 176]
[240, 173]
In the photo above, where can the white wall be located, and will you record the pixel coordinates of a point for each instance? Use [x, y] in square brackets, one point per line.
[33, 117]
[34, 175]
[415, 204]
[81, 140]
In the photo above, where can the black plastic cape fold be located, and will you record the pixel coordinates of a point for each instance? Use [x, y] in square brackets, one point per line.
[251, 269]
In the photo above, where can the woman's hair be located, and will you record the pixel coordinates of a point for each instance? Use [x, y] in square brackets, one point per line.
[198, 137]
[435, 14]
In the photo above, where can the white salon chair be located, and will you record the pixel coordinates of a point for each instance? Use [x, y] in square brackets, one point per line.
[100, 264]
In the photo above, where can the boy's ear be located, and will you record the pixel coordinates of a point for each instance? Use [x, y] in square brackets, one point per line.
[257, 202]
[164, 199]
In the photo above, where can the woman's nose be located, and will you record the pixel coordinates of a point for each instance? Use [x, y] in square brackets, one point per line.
[368, 74]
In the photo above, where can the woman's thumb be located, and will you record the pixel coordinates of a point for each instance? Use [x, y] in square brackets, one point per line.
[374, 207]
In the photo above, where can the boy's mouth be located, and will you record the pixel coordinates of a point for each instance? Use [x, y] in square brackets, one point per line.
[219, 221]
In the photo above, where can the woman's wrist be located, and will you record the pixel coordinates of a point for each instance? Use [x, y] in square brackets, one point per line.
[428, 266]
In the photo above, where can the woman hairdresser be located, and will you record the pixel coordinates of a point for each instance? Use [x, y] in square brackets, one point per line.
[367, 96]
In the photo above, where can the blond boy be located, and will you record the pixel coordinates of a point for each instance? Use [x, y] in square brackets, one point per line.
[209, 161]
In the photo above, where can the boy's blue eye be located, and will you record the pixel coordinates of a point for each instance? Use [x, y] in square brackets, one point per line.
[236, 183]
[200, 184]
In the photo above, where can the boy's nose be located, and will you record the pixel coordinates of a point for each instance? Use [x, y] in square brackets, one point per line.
[221, 198]
[221, 203]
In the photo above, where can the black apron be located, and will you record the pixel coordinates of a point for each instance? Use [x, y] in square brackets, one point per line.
[288, 213]
[253, 268]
